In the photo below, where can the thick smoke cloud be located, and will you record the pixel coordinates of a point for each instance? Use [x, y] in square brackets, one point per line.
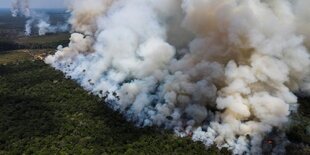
[221, 71]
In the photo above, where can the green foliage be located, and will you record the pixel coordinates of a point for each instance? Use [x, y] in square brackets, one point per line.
[43, 42]
[35, 42]
[41, 112]
[16, 56]
[299, 131]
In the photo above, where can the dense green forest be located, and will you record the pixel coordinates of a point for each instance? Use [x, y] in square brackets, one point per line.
[41, 112]
[34, 42]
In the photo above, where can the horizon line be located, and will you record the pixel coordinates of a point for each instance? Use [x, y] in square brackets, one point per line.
[36, 8]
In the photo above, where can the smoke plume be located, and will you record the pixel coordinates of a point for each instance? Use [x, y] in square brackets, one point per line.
[221, 71]
[20, 6]
[41, 22]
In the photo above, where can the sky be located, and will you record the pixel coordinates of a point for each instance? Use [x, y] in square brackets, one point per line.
[36, 3]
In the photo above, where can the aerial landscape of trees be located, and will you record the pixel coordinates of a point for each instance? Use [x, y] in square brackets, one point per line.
[43, 112]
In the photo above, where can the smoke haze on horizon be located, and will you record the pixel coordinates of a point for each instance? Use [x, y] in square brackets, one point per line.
[37, 4]
[35, 18]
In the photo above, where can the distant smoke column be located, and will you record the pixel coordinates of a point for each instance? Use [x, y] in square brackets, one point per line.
[15, 6]
[43, 27]
[221, 71]
[42, 23]
[28, 27]
[20, 6]
[26, 10]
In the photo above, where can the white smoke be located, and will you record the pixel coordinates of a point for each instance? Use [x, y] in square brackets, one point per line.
[28, 27]
[303, 22]
[48, 28]
[41, 22]
[221, 71]
[20, 6]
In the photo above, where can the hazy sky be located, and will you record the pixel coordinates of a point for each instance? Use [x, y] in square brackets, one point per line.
[36, 3]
